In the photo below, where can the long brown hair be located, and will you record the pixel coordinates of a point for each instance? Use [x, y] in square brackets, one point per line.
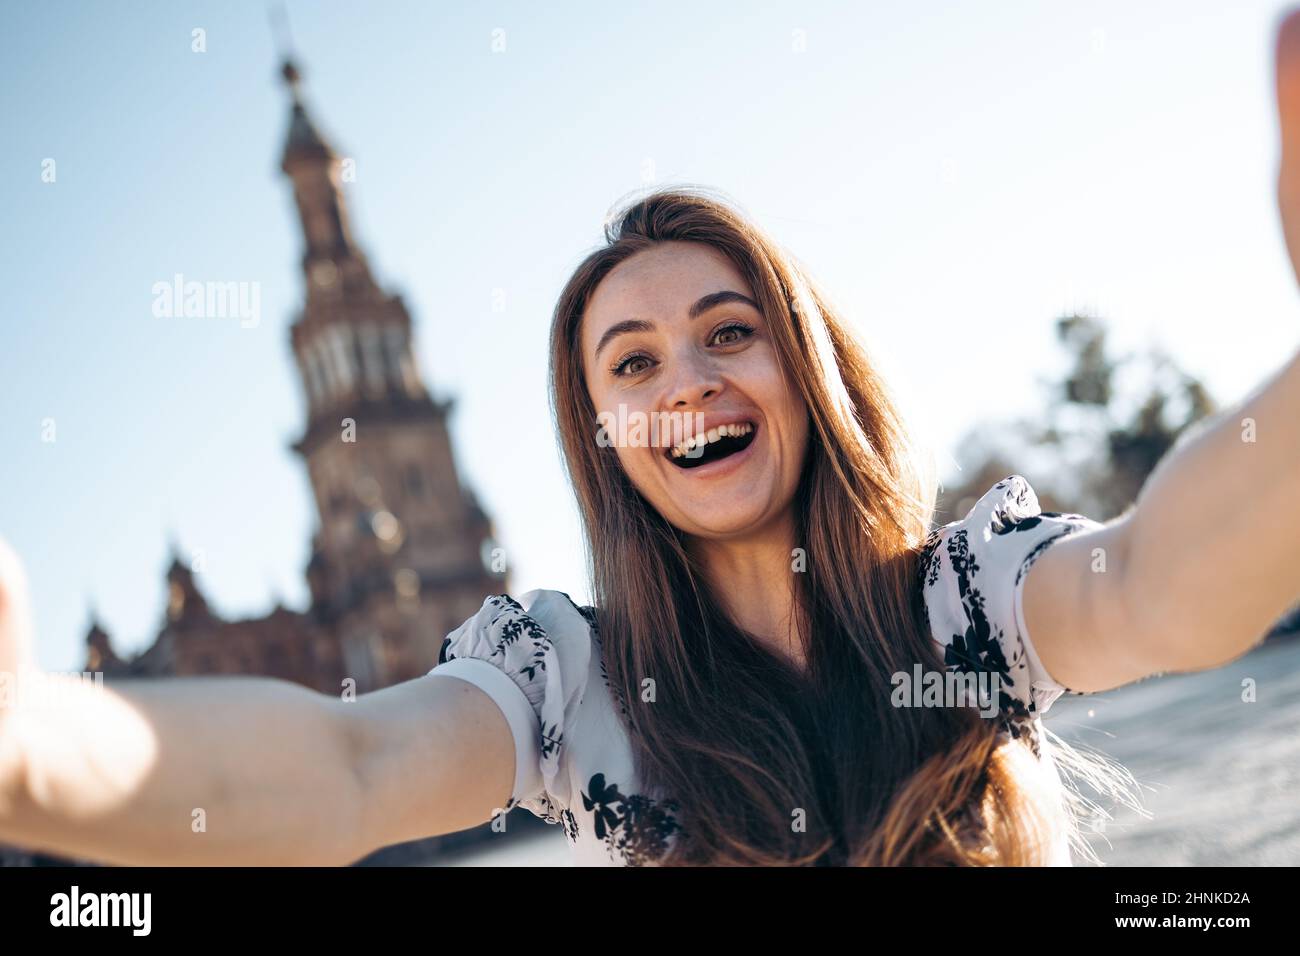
[744, 743]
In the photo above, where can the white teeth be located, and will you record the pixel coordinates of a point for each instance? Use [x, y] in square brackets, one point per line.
[736, 430]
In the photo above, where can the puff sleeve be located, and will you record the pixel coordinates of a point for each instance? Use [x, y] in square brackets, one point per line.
[531, 656]
[972, 574]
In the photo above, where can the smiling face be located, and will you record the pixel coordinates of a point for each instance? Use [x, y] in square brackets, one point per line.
[674, 335]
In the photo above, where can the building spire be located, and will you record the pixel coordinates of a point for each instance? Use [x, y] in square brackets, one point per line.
[331, 261]
[304, 143]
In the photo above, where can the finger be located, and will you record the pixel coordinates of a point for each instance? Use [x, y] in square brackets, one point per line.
[1287, 66]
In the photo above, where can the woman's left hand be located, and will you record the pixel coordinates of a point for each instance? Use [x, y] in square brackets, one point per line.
[1287, 66]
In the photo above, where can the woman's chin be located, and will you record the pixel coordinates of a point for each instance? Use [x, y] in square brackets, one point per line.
[721, 523]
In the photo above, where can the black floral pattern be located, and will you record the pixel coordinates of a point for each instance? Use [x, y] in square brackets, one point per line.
[570, 824]
[636, 828]
[510, 624]
[981, 646]
[929, 568]
[547, 661]
[991, 548]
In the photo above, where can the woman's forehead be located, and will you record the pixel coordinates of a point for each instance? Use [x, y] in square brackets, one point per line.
[659, 284]
[667, 264]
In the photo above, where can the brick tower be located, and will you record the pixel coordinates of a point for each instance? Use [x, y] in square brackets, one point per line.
[402, 554]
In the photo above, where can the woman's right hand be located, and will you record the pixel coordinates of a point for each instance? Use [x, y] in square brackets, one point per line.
[16, 653]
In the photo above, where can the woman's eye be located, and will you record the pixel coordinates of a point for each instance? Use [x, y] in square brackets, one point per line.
[625, 367]
[739, 329]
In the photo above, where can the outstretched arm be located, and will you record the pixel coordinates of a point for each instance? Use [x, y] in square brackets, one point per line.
[1208, 558]
[276, 774]
[211, 771]
[1195, 573]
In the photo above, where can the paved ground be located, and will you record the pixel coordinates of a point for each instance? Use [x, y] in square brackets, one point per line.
[1221, 776]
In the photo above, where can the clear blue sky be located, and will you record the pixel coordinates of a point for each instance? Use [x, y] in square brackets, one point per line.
[957, 178]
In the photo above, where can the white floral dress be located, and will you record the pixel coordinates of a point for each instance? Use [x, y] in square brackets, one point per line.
[539, 660]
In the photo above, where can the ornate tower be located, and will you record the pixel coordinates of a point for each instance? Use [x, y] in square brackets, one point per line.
[402, 552]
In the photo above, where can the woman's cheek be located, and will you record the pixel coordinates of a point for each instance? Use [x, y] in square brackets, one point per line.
[639, 469]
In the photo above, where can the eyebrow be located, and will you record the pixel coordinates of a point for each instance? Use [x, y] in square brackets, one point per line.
[702, 305]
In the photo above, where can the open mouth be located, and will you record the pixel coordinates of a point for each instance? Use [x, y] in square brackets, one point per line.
[714, 445]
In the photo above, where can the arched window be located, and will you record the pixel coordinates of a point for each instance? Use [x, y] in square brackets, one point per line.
[328, 374]
[340, 339]
[313, 377]
[401, 371]
[373, 358]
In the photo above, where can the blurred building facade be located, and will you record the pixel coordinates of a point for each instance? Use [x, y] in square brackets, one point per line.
[402, 553]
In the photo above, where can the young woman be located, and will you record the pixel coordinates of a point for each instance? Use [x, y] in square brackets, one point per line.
[754, 684]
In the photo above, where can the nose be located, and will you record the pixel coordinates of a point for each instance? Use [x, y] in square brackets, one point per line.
[694, 380]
